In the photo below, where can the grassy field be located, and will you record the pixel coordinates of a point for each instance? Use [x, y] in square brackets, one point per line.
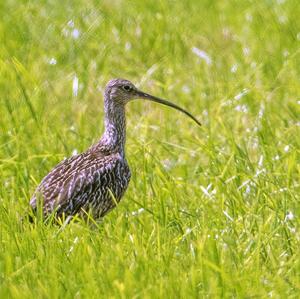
[210, 212]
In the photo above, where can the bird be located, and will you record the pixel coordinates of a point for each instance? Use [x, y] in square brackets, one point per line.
[93, 182]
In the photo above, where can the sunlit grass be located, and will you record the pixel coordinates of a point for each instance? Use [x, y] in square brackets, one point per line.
[210, 212]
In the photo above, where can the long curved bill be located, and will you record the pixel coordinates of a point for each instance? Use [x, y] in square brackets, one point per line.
[149, 97]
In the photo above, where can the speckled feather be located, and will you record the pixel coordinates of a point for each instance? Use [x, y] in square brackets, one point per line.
[84, 183]
[96, 179]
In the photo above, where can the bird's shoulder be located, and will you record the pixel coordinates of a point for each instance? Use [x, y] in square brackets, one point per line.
[78, 170]
[95, 158]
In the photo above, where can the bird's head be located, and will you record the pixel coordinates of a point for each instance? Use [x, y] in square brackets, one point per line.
[121, 91]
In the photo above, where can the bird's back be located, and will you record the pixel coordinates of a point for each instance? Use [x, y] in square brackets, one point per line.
[89, 182]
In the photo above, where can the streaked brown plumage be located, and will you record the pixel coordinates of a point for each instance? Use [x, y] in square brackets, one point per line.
[94, 181]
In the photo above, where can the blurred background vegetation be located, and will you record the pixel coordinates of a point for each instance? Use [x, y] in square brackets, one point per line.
[209, 213]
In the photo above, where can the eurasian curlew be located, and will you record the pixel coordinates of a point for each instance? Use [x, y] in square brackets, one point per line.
[95, 180]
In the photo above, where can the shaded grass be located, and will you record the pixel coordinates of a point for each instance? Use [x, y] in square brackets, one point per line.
[209, 213]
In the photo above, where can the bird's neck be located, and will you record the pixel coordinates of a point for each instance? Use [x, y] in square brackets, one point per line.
[114, 136]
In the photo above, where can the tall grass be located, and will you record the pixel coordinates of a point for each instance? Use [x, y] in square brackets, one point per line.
[210, 212]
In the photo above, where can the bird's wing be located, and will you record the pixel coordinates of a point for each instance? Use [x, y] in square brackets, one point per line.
[71, 179]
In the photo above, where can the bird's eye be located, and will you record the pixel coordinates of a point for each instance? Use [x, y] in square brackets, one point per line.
[127, 87]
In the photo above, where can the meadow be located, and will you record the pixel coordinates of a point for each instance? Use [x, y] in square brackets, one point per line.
[211, 212]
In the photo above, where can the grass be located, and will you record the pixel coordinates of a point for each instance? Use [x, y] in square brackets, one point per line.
[210, 212]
